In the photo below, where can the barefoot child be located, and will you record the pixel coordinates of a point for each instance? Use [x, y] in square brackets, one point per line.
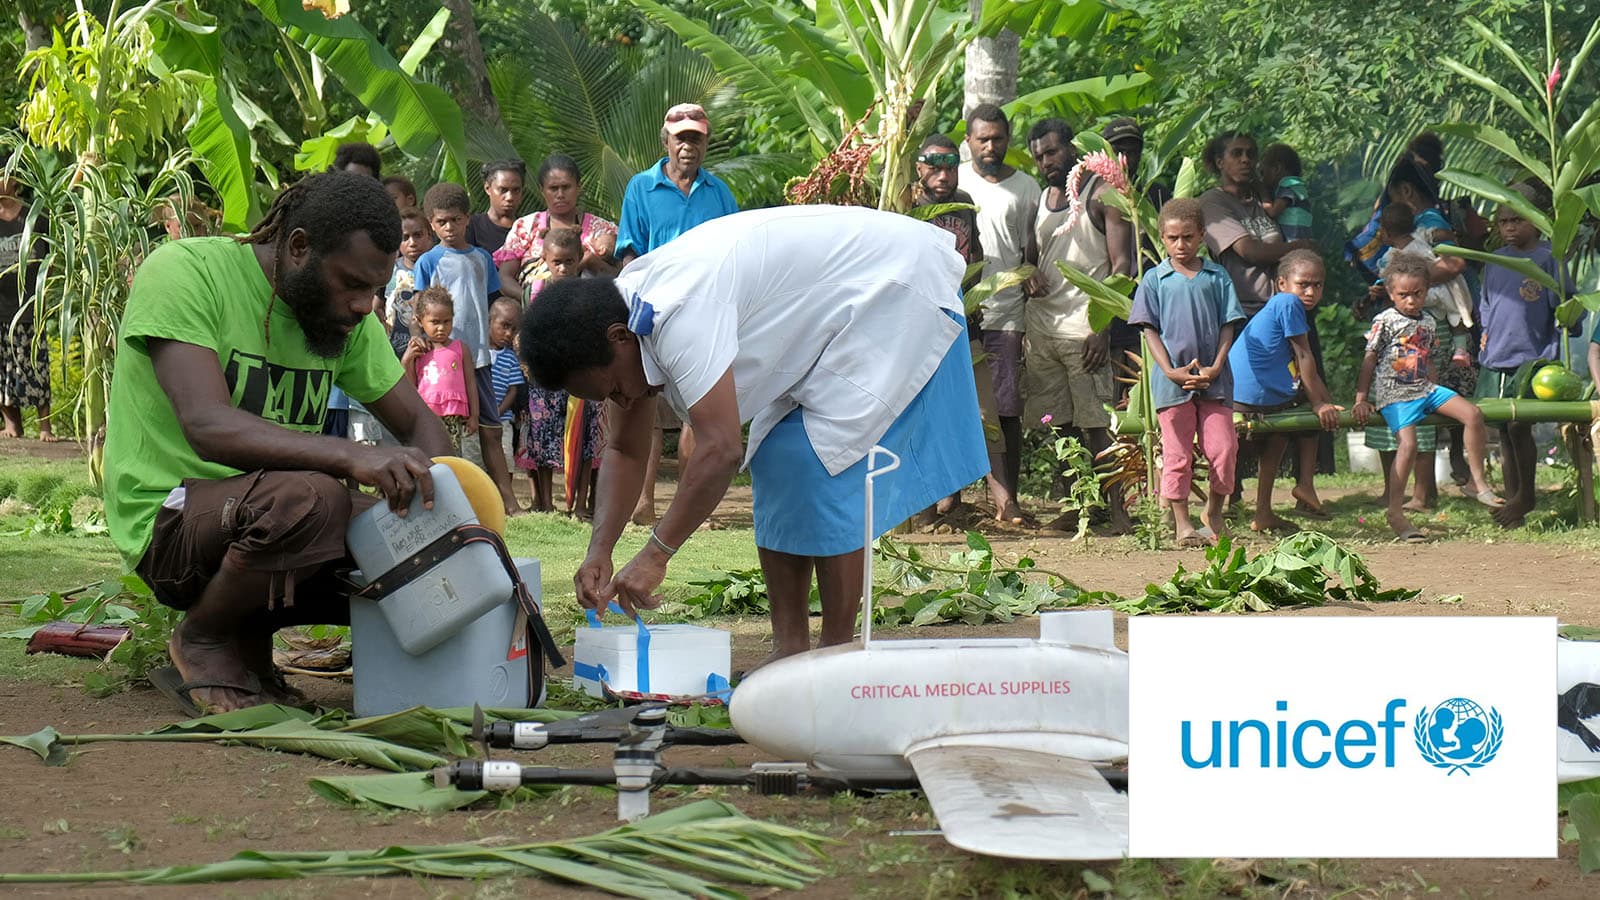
[1272, 348]
[505, 315]
[1189, 313]
[1449, 303]
[544, 427]
[1397, 371]
[1519, 326]
[441, 366]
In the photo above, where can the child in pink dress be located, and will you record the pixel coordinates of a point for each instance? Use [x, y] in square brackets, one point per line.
[438, 365]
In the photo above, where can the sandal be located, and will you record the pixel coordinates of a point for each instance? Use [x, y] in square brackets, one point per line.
[170, 683]
[1487, 497]
[1193, 542]
[1412, 536]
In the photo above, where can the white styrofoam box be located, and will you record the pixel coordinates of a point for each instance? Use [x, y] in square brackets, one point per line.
[447, 597]
[682, 657]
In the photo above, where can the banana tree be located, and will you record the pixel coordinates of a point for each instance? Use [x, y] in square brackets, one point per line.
[1566, 162]
[98, 108]
[858, 78]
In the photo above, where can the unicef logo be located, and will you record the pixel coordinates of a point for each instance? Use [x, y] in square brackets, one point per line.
[1457, 735]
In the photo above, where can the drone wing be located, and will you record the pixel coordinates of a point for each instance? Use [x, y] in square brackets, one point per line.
[1019, 802]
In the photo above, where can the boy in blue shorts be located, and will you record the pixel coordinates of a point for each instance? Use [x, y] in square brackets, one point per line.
[1399, 376]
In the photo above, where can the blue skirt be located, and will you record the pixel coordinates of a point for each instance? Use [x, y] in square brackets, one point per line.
[801, 510]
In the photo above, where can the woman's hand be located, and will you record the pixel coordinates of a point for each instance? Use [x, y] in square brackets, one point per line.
[592, 581]
[635, 586]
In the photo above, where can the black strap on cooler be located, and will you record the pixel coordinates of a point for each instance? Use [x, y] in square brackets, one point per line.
[442, 547]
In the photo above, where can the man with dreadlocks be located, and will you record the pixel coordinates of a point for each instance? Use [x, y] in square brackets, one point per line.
[221, 491]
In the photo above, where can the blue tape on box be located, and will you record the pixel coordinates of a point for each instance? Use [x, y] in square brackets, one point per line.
[641, 651]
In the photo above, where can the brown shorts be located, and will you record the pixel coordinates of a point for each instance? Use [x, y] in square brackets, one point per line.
[292, 523]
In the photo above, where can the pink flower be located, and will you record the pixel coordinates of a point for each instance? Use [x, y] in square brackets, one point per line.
[1113, 171]
[1046, 419]
[1555, 78]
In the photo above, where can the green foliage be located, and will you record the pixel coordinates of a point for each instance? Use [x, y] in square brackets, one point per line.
[983, 592]
[1084, 493]
[916, 591]
[1569, 131]
[1304, 569]
[127, 602]
[602, 104]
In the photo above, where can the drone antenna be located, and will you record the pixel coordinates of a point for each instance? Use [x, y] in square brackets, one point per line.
[866, 552]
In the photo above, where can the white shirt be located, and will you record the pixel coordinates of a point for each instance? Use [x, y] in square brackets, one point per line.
[1063, 310]
[840, 310]
[1005, 219]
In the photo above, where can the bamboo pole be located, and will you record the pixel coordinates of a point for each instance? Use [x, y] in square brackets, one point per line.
[1495, 412]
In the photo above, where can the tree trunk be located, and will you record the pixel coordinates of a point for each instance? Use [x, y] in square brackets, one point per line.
[991, 67]
[35, 32]
[461, 39]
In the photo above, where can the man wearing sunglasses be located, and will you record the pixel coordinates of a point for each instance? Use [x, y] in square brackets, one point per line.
[660, 203]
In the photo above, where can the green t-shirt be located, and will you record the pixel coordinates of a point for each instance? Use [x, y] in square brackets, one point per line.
[211, 292]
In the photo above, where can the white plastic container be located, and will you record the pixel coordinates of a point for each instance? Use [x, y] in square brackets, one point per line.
[681, 659]
[452, 594]
[485, 662]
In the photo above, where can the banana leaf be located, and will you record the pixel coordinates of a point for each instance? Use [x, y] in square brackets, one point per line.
[994, 284]
[289, 736]
[1111, 299]
[1524, 267]
[674, 854]
[1073, 19]
[414, 791]
[419, 116]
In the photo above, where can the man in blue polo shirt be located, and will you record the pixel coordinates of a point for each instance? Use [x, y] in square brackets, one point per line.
[662, 202]
[675, 194]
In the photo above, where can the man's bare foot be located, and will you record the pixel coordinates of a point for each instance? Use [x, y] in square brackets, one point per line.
[228, 682]
[256, 651]
[1192, 539]
[1010, 512]
[47, 436]
[1415, 505]
[946, 504]
[1307, 501]
[1269, 521]
[8, 433]
[644, 515]
[1513, 514]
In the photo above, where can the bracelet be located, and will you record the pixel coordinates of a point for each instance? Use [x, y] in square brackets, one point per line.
[656, 539]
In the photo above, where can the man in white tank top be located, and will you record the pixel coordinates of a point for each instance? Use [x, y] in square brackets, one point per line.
[1068, 368]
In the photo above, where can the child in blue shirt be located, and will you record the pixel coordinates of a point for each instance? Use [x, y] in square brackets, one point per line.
[1518, 315]
[470, 275]
[1272, 350]
[1189, 312]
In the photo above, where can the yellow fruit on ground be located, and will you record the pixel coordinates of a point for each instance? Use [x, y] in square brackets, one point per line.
[481, 492]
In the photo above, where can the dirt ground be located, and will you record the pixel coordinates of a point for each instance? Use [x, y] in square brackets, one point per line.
[118, 806]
